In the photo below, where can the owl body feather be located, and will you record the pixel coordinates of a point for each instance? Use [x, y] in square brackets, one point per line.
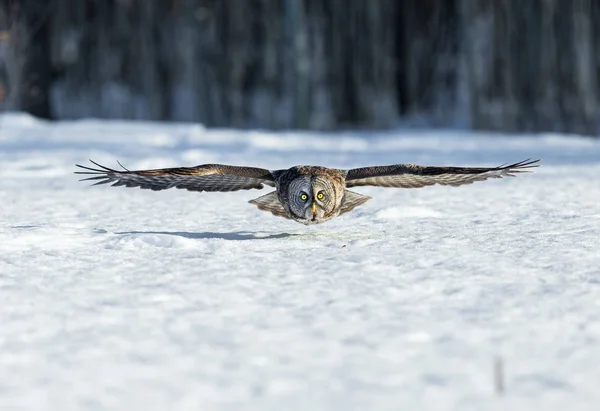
[306, 194]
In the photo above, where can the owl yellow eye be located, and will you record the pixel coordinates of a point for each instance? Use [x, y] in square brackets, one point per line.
[320, 196]
[304, 197]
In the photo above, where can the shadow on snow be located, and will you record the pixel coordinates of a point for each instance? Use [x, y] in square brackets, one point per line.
[233, 236]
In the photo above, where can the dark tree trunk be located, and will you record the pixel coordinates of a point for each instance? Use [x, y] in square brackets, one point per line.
[37, 70]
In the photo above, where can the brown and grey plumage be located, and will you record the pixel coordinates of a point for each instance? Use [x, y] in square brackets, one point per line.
[307, 194]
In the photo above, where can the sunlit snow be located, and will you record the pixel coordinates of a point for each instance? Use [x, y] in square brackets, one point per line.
[127, 299]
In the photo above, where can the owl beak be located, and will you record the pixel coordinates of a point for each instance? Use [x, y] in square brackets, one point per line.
[314, 208]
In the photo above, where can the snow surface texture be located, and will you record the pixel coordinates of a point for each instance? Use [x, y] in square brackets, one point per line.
[126, 299]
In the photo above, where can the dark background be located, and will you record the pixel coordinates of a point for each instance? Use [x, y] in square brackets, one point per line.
[509, 65]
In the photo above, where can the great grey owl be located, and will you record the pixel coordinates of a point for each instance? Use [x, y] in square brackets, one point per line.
[306, 194]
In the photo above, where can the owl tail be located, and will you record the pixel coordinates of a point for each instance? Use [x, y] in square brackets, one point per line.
[270, 202]
[352, 200]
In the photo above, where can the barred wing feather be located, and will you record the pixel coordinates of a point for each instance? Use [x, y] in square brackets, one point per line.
[414, 176]
[207, 177]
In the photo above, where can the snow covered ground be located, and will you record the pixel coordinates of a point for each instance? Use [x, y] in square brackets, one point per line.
[125, 299]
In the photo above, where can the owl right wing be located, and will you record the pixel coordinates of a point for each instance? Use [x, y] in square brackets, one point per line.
[207, 177]
[413, 176]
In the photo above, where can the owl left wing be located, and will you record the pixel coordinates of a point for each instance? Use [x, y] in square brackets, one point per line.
[414, 176]
[207, 177]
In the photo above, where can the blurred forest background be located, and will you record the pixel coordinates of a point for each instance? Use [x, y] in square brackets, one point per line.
[506, 65]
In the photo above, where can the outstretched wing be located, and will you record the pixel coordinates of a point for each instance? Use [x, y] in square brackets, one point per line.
[413, 176]
[207, 177]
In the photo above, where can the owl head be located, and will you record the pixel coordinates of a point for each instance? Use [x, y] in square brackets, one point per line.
[313, 199]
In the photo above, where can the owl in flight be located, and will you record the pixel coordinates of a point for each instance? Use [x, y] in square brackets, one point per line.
[306, 194]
